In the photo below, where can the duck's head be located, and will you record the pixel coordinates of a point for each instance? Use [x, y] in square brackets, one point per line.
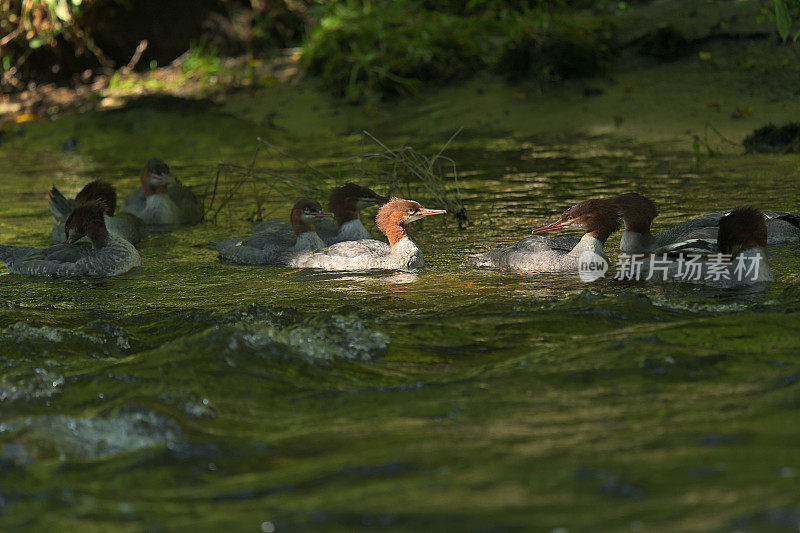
[744, 228]
[346, 201]
[596, 217]
[87, 220]
[305, 213]
[155, 177]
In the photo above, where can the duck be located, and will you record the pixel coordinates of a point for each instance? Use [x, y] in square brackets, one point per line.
[368, 254]
[345, 203]
[162, 200]
[597, 217]
[128, 226]
[697, 234]
[109, 255]
[269, 247]
[740, 257]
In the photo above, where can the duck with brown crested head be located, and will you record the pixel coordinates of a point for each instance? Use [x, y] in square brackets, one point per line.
[740, 256]
[366, 254]
[598, 218]
[109, 255]
[270, 247]
[162, 200]
[346, 203]
[129, 227]
[697, 234]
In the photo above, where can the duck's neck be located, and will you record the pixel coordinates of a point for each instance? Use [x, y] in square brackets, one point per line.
[98, 235]
[345, 212]
[353, 230]
[633, 242]
[395, 233]
[588, 243]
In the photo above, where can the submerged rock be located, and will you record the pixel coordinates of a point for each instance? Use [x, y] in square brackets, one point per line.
[97, 337]
[31, 385]
[319, 338]
[86, 438]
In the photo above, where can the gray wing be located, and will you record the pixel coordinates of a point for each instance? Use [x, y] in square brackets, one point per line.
[702, 227]
[540, 243]
[27, 260]
[782, 227]
[689, 246]
[258, 249]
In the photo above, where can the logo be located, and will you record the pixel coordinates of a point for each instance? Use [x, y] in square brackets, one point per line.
[591, 266]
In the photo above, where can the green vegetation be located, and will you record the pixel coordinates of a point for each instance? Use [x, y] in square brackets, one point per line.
[786, 13]
[367, 52]
[384, 49]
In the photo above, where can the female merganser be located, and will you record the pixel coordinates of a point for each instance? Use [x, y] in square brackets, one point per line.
[401, 253]
[270, 247]
[109, 255]
[598, 218]
[162, 201]
[699, 233]
[128, 226]
[345, 202]
[741, 260]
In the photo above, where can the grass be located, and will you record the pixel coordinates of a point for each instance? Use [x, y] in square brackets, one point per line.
[273, 172]
[372, 52]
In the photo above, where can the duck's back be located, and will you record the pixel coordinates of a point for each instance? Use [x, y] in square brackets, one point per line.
[117, 256]
[348, 255]
[534, 253]
[782, 228]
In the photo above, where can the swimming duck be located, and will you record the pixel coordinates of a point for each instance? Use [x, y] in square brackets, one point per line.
[599, 218]
[269, 247]
[162, 200]
[400, 254]
[109, 255]
[128, 226]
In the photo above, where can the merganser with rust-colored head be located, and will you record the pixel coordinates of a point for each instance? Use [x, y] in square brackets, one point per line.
[162, 200]
[741, 258]
[109, 254]
[345, 203]
[129, 227]
[400, 254]
[270, 247]
[598, 218]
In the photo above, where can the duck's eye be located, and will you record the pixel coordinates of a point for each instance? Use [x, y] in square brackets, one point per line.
[411, 211]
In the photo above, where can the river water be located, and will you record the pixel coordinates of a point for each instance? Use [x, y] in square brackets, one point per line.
[196, 394]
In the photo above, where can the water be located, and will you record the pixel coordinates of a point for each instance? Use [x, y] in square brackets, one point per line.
[201, 395]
